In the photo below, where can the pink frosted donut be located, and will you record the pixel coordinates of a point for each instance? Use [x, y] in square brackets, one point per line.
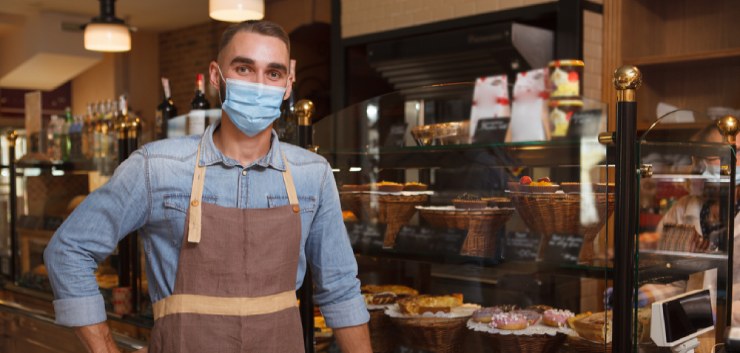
[556, 317]
[509, 321]
[484, 314]
[531, 316]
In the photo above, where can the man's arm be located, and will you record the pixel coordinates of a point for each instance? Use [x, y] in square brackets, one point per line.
[97, 338]
[334, 270]
[86, 238]
[353, 339]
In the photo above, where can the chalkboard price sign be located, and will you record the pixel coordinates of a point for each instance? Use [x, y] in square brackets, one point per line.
[491, 130]
[521, 246]
[563, 248]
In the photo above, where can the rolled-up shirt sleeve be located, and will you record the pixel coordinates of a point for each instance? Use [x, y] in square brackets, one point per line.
[333, 263]
[89, 235]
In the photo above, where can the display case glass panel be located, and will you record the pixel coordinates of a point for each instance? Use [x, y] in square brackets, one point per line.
[507, 225]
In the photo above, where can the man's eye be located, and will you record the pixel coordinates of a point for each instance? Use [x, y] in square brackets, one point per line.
[274, 75]
[242, 69]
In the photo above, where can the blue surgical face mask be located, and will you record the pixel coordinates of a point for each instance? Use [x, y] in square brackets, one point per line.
[252, 107]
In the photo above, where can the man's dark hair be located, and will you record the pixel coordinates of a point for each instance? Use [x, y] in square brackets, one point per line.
[263, 27]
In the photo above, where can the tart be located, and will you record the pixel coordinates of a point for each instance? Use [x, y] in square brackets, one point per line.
[385, 294]
[388, 186]
[469, 201]
[350, 187]
[429, 304]
[414, 186]
[595, 327]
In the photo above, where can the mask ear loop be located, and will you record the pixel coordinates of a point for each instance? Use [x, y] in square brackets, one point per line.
[219, 86]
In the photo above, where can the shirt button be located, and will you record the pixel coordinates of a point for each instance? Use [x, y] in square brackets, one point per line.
[244, 172]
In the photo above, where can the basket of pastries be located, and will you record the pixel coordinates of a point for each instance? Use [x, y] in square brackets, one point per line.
[536, 329]
[396, 208]
[323, 335]
[434, 323]
[472, 213]
[546, 210]
[593, 333]
[377, 298]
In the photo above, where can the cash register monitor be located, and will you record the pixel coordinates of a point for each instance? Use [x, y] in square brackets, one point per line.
[679, 320]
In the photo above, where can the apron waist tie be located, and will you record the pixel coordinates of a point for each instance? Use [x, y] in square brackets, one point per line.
[243, 306]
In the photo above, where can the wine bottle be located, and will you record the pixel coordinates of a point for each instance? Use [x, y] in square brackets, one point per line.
[199, 100]
[199, 105]
[165, 111]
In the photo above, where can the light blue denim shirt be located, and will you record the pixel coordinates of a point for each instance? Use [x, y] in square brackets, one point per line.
[150, 192]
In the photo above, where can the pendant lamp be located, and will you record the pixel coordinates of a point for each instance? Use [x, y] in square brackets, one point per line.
[107, 33]
[236, 10]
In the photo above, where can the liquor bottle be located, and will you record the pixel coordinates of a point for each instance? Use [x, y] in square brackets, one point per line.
[66, 138]
[165, 111]
[54, 149]
[88, 133]
[199, 105]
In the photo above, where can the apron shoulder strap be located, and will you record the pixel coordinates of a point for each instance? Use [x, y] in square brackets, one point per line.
[196, 192]
[290, 186]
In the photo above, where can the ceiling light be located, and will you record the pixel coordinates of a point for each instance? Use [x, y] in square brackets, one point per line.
[107, 32]
[237, 10]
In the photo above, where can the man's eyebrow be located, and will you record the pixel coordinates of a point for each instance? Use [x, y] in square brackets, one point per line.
[278, 66]
[242, 60]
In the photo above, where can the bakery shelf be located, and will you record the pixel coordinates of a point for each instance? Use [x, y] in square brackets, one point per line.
[695, 57]
[531, 154]
[666, 267]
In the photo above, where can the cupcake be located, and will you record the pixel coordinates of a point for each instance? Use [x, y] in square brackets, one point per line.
[414, 186]
[469, 201]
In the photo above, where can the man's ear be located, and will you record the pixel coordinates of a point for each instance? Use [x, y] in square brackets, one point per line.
[213, 74]
[291, 79]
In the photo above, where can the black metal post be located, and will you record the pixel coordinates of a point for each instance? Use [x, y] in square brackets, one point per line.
[728, 126]
[13, 201]
[304, 109]
[626, 80]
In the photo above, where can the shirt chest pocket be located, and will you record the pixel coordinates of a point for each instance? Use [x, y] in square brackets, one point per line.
[306, 203]
[175, 209]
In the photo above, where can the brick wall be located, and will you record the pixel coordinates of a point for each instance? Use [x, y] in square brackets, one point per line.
[185, 52]
[370, 16]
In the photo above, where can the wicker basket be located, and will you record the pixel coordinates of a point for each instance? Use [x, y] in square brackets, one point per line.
[548, 214]
[382, 335]
[577, 344]
[350, 201]
[525, 343]
[396, 211]
[482, 228]
[481, 224]
[438, 335]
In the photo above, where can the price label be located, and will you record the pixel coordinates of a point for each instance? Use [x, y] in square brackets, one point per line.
[563, 248]
[521, 246]
[491, 130]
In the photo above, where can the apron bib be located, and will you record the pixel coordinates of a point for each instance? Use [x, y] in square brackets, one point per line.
[235, 285]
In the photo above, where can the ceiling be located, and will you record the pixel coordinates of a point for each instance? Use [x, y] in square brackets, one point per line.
[146, 15]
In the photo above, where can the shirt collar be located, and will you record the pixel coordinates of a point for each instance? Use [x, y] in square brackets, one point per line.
[210, 155]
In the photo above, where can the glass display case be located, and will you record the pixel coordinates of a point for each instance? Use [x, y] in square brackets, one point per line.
[524, 230]
[685, 231]
[515, 227]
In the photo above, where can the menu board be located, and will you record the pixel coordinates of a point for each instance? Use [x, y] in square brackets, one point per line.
[521, 246]
[563, 248]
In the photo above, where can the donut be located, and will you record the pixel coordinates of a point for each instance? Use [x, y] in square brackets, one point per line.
[509, 321]
[556, 317]
[484, 315]
[531, 316]
[539, 308]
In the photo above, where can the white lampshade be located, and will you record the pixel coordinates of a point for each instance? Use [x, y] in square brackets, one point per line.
[111, 37]
[237, 10]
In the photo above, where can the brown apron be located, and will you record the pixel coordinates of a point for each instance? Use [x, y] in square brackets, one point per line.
[235, 287]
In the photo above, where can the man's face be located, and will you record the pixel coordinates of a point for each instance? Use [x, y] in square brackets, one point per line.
[253, 58]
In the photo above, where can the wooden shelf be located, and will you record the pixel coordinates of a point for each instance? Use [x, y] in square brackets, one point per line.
[733, 53]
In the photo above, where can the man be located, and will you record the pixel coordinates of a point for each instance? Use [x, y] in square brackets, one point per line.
[228, 220]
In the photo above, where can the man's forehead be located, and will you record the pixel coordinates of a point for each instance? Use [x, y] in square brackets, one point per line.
[258, 47]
